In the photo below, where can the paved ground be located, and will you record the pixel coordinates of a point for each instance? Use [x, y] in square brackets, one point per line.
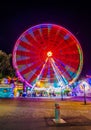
[32, 114]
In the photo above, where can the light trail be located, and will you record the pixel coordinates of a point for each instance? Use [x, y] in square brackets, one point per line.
[39, 74]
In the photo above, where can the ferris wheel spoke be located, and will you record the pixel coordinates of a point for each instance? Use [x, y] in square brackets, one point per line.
[45, 36]
[30, 68]
[38, 37]
[52, 34]
[33, 74]
[26, 59]
[33, 41]
[71, 48]
[25, 45]
[22, 62]
[58, 45]
[64, 46]
[70, 67]
[23, 53]
[72, 62]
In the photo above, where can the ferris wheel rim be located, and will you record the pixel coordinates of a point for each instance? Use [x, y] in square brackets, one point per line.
[37, 26]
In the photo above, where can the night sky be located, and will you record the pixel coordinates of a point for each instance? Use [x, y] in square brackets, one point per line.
[75, 16]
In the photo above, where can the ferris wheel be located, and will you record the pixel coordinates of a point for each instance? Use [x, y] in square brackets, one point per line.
[47, 52]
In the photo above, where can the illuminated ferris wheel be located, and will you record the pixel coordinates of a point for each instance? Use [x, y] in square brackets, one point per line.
[47, 52]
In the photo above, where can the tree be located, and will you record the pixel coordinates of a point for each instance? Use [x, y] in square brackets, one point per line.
[6, 68]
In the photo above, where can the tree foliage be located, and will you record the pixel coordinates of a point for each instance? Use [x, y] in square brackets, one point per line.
[6, 68]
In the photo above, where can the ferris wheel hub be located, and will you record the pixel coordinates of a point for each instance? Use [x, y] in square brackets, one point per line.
[49, 53]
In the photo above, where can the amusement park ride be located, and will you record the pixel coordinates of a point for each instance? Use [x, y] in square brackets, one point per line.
[47, 56]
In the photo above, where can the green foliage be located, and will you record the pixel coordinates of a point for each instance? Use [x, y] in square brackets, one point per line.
[6, 68]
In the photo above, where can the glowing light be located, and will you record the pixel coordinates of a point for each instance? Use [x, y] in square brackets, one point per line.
[31, 66]
[49, 53]
[84, 84]
[38, 83]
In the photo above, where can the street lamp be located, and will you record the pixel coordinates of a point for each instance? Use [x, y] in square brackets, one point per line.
[84, 94]
[62, 92]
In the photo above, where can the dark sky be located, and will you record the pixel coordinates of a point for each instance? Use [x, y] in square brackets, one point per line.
[16, 17]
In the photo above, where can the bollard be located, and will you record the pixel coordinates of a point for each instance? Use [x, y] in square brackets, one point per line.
[57, 112]
[57, 119]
